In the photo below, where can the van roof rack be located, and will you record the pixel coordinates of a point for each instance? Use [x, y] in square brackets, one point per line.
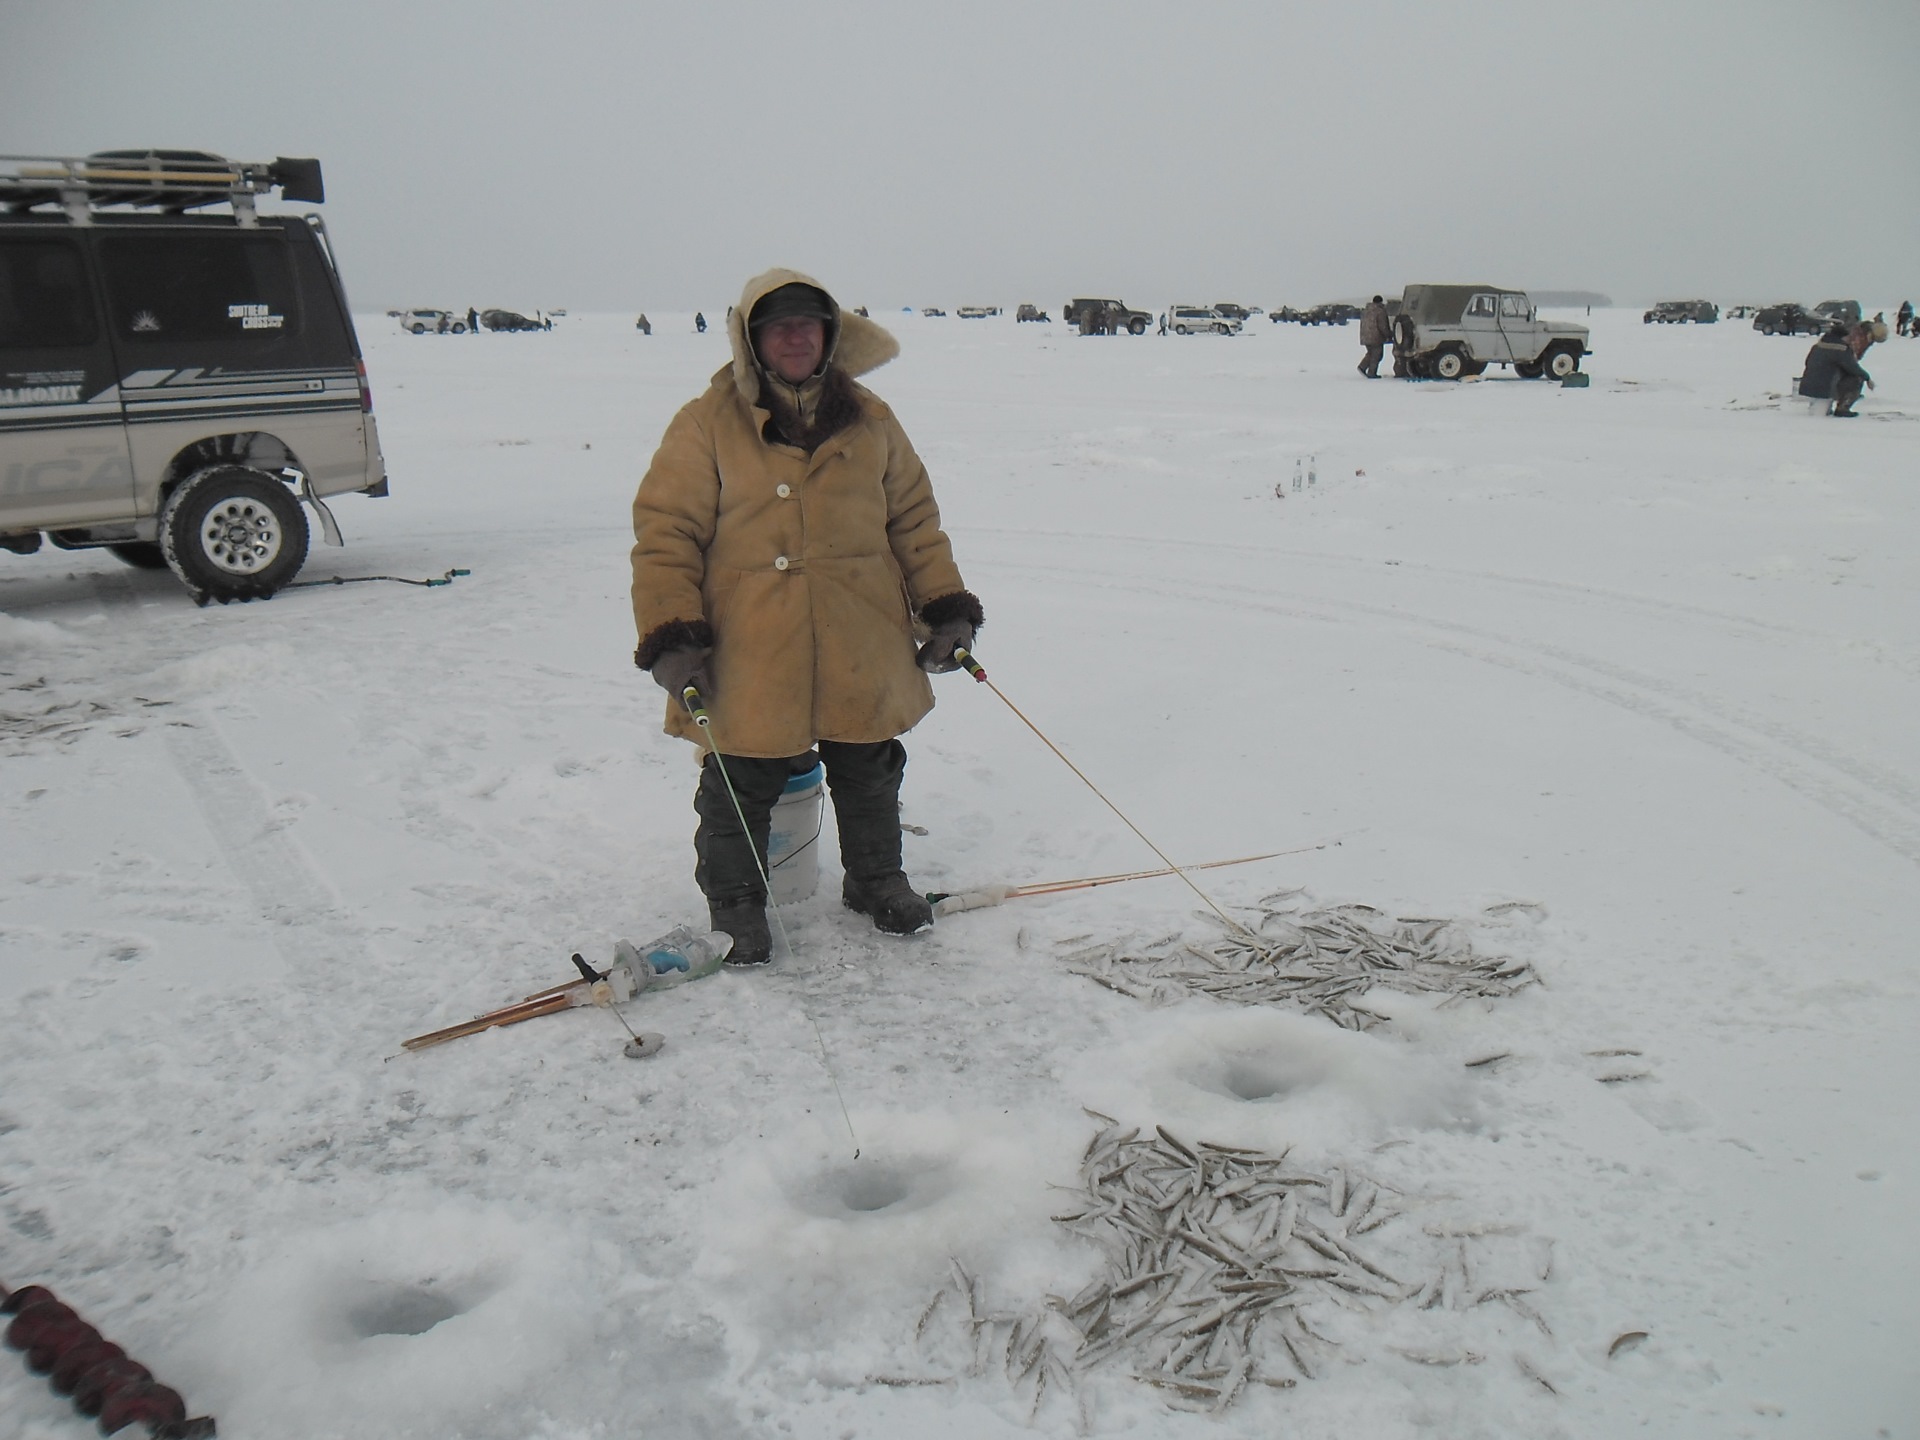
[173, 181]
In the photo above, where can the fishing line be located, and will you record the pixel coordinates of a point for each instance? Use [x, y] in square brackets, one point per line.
[975, 669]
[690, 697]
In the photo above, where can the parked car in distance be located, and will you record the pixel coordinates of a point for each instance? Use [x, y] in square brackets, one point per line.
[977, 312]
[1285, 313]
[1335, 313]
[1235, 312]
[1846, 312]
[1787, 319]
[1114, 313]
[1200, 320]
[933, 310]
[438, 322]
[508, 320]
[1031, 312]
[1741, 312]
[1681, 312]
[178, 385]
[1459, 330]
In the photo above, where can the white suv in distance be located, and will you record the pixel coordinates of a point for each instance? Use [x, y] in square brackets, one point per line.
[1200, 320]
[439, 322]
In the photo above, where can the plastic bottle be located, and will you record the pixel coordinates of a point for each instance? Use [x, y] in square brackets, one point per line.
[680, 955]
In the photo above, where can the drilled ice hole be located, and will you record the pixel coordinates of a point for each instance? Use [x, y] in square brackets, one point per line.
[415, 1307]
[1256, 1076]
[403, 1310]
[862, 1188]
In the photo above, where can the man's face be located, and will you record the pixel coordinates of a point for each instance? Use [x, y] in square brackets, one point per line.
[792, 348]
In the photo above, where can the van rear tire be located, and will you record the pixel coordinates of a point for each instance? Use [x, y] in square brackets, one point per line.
[231, 533]
[1448, 364]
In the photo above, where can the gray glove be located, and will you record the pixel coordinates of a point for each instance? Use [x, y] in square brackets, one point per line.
[936, 656]
[677, 669]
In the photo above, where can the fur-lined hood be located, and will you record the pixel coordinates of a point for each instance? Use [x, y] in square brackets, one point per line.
[858, 346]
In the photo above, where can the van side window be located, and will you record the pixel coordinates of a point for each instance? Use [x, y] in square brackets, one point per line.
[1513, 306]
[1482, 305]
[44, 301]
[199, 287]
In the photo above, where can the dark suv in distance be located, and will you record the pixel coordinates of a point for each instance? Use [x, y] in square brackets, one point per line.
[1681, 312]
[175, 386]
[1787, 319]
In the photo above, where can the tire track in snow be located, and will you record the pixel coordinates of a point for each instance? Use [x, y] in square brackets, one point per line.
[1907, 661]
[1888, 811]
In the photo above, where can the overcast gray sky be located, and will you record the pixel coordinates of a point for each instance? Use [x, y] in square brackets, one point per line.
[629, 154]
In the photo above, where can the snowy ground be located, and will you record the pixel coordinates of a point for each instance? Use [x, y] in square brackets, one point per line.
[1646, 654]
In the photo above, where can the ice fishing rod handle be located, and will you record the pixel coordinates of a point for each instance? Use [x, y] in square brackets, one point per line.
[587, 972]
[968, 663]
[696, 706]
[979, 898]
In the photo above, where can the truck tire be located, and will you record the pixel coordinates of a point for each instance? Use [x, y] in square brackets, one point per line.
[417, 328]
[1560, 361]
[1529, 369]
[1136, 326]
[1449, 362]
[231, 533]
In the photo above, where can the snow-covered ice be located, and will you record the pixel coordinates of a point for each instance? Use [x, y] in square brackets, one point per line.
[1646, 655]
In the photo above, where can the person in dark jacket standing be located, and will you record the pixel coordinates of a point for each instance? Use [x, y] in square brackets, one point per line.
[699, 322]
[1833, 374]
[1375, 332]
[1904, 316]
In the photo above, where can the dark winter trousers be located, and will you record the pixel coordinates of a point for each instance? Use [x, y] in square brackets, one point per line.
[1846, 390]
[1370, 366]
[864, 781]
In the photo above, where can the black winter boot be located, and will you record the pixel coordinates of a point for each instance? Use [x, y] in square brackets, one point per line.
[746, 922]
[895, 907]
[864, 781]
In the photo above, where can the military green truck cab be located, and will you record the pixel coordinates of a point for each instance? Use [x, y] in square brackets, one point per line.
[1451, 332]
[1108, 316]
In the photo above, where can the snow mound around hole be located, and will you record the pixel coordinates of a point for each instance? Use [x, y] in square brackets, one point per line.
[395, 1324]
[1271, 1079]
[800, 1230]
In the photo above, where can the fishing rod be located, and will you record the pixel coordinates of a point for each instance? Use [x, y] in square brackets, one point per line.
[974, 668]
[696, 707]
[981, 897]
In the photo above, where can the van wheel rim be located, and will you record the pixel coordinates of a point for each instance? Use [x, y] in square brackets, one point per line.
[240, 536]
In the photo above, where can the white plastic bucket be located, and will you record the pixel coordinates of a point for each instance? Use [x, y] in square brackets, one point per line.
[793, 840]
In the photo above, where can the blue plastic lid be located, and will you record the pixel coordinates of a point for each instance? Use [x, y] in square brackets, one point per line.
[806, 780]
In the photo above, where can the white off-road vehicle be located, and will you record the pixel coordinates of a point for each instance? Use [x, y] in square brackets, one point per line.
[174, 383]
[1451, 332]
[1200, 320]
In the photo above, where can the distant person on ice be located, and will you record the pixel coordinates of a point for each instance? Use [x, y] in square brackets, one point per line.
[1375, 331]
[787, 553]
[699, 322]
[1833, 374]
[643, 325]
[1904, 317]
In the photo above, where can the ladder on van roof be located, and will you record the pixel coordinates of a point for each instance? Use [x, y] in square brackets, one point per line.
[172, 181]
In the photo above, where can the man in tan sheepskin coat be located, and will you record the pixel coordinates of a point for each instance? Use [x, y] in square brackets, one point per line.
[787, 557]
